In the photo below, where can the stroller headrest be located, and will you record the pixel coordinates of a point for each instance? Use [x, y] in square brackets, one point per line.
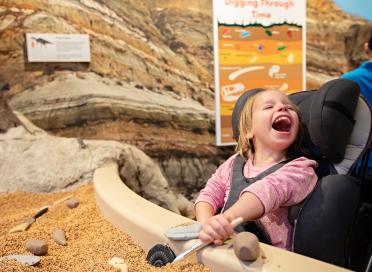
[327, 114]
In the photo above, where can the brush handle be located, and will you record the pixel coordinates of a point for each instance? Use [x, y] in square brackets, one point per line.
[41, 212]
[46, 208]
[61, 200]
[25, 225]
[236, 222]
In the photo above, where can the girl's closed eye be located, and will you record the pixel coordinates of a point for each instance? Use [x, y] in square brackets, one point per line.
[268, 106]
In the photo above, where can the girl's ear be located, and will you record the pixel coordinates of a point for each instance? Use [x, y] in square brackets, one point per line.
[249, 135]
[366, 48]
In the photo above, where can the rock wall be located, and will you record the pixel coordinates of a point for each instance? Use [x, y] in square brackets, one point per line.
[32, 160]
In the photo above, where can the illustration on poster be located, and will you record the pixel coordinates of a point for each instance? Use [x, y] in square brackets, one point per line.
[232, 92]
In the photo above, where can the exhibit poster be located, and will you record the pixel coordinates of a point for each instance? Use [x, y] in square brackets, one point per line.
[47, 47]
[257, 44]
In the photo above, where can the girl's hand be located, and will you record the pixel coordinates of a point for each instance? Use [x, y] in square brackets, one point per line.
[216, 229]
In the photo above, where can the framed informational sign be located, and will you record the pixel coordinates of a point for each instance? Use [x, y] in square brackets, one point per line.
[46, 47]
[257, 44]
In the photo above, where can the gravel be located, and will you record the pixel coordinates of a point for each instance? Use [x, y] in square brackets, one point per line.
[91, 240]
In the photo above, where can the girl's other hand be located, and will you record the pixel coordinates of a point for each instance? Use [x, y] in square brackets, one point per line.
[216, 229]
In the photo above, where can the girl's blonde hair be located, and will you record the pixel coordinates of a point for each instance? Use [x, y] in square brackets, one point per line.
[245, 145]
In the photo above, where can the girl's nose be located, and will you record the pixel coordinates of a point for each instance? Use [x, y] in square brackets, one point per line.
[283, 107]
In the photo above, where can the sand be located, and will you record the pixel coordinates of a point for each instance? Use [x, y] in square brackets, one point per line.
[91, 240]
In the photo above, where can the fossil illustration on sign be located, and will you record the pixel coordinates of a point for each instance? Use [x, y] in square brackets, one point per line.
[40, 41]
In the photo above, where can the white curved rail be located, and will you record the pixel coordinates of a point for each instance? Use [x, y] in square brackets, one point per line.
[146, 223]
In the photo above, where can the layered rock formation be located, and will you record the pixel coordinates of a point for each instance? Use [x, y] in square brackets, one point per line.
[126, 44]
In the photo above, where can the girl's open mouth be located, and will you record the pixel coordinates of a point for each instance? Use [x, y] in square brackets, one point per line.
[282, 124]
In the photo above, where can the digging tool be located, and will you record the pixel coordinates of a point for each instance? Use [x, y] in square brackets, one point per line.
[199, 245]
[27, 223]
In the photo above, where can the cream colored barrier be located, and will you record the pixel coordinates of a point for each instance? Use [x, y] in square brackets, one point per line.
[146, 223]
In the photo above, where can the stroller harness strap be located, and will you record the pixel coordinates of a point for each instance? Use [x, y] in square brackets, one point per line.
[238, 184]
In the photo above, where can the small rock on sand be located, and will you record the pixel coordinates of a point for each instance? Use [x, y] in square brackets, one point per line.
[59, 237]
[37, 247]
[24, 259]
[72, 203]
[119, 264]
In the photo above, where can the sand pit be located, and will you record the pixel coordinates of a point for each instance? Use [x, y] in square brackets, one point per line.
[91, 240]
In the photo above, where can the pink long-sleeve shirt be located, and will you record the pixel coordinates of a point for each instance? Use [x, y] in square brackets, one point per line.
[277, 191]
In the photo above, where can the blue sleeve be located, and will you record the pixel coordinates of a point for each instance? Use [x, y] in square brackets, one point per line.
[352, 75]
